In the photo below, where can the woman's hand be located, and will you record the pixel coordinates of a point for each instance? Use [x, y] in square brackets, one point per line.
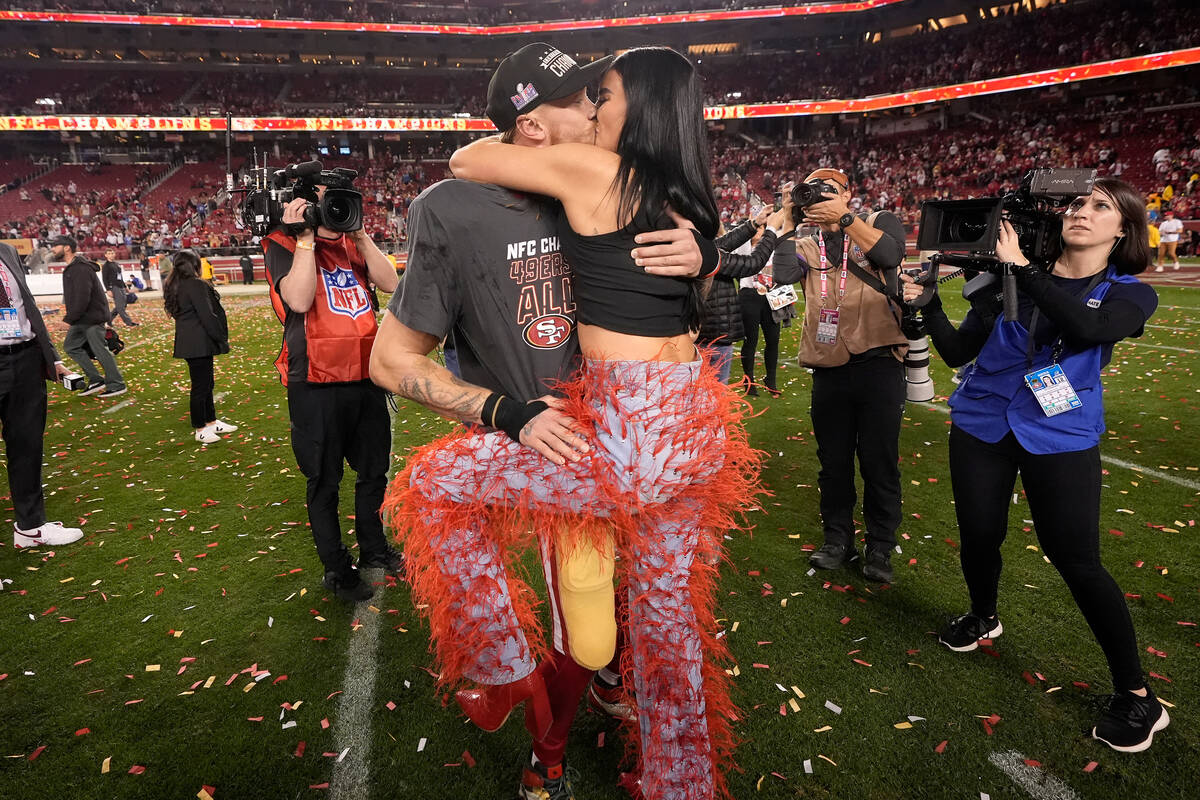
[781, 221]
[1008, 248]
[763, 214]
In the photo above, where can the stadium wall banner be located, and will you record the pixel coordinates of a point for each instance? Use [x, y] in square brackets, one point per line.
[435, 29]
[1010, 83]
[23, 247]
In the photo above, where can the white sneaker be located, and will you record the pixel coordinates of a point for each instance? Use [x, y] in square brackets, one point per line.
[1158, 269]
[207, 435]
[221, 426]
[50, 533]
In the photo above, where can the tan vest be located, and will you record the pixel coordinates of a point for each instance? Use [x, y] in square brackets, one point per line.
[866, 318]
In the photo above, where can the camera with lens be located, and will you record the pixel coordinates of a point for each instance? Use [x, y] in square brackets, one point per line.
[339, 208]
[964, 232]
[970, 227]
[813, 192]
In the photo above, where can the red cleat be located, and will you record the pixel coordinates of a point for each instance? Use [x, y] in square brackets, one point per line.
[489, 706]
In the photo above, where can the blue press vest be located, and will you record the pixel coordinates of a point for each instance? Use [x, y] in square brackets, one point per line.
[993, 398]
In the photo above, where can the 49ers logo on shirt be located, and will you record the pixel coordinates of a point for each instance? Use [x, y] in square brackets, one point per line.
[345, 294]
[548, 332]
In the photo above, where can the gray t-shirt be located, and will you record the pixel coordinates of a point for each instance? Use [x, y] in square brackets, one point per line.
[484, 263]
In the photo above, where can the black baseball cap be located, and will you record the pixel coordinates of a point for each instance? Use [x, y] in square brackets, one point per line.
[532, 75]
[64, 240]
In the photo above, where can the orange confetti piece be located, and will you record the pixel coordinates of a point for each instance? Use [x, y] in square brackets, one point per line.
[33, 756]
[1091, 766]
[468, 759]
[83, 731]
[136, 769]
[299, 750]
[941, 748]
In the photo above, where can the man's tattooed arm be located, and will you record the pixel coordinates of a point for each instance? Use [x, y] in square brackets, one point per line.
[437, 389]
[400, 363]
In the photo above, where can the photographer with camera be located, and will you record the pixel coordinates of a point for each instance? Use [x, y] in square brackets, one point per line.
[853, 342]
[321, 267]
[1032, 404]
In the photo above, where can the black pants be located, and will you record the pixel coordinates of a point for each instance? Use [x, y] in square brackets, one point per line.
[1064, 500]
[23, 416]
[201, 399]
[856, 411]
[332, 423]
[248, 276]
[756, 313]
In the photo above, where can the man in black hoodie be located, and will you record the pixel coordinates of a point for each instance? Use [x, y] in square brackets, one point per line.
[87, 313]
[110, 276]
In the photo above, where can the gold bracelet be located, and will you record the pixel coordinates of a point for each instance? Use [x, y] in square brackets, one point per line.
[305, 245]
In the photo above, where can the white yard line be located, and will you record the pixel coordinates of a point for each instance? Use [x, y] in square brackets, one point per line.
[118, 406]
[141, 342]
[1037, 783]
[1162, 347]
[1116, 462]
[351, 779]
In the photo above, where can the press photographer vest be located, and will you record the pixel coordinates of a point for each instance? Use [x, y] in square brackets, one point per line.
[866, 318]
[339, 329]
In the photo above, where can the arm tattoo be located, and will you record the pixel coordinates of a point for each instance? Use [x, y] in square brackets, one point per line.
[456, 399]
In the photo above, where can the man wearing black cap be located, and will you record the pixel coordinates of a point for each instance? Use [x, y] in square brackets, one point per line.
[484, 264]
[87, 313]
[27, 360]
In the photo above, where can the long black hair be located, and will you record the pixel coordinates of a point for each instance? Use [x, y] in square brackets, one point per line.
[663, 146]
[185, 265]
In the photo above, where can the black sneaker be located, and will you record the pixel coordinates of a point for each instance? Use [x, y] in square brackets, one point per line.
[93, 388]
[540, 782]
[114, 392]
[390, 561]
[832, 556]
[348, 586]
[962, 634]
[1129, 722]
[877, 565]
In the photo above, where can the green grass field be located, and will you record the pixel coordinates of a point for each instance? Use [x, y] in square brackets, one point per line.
[187, 641]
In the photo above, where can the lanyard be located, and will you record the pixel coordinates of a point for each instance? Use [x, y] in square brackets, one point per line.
[825, 268]
[1056, 345]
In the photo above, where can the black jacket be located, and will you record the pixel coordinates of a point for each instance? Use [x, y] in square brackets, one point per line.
[722, 310]
[110, 275]
[49, 355]
[86, 302]
[200, 327]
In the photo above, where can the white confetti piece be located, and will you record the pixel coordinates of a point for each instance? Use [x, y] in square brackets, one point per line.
[808, 766]
[832, 706]
[147, 619]
[342, 757]
[291, 723]
[270, 622]
[421, 744]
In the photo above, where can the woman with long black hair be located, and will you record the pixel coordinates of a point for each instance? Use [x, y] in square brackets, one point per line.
[201, 332]
[664, 458]
[1031, 403]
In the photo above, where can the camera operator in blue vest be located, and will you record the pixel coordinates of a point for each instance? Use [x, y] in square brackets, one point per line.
[1032, 403]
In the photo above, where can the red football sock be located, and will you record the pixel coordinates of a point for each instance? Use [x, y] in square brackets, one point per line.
[566, 682]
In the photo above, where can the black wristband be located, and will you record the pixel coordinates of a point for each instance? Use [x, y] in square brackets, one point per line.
[508, 415]
[709, 254]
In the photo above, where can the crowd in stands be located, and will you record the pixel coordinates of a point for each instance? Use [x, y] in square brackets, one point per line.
[1056, 36]
[1159, 152]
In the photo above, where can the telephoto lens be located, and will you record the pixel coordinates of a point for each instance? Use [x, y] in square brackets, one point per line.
[918, 384]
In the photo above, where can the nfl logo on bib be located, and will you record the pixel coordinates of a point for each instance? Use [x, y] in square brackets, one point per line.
[344, 293]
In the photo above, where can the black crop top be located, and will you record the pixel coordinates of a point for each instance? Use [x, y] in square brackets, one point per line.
[614, 293]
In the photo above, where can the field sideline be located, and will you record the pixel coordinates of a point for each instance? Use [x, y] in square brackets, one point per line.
[186, 645]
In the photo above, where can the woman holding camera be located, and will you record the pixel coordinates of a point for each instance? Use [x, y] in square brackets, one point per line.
[1031, 403]
[201, 332]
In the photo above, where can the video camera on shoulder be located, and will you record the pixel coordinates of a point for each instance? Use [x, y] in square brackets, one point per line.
[339, 208]
[968, 228]
[963, 232]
